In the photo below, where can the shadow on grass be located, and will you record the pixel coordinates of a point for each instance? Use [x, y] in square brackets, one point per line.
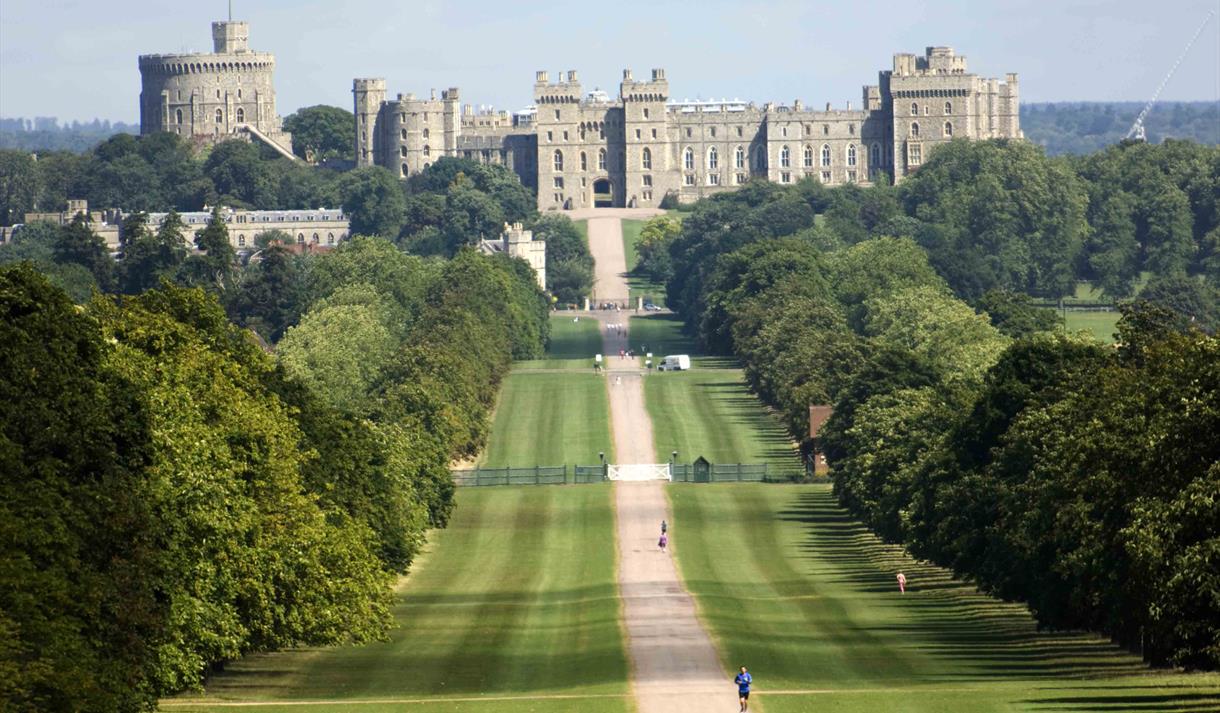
[942, 617]
[1120, 701]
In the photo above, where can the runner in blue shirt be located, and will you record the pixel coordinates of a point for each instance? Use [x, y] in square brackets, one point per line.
[743, 681]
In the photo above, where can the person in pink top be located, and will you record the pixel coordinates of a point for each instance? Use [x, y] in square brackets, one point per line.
[663, 541]
[902, 583]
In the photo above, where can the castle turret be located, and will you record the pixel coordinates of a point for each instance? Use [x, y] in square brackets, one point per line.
[368, 96]
[230, 37]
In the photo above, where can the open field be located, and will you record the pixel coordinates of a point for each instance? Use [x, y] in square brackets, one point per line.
[514, 601]
[575, 338]
[662, 334]
[795, 589]
[1101, 324]
[640, 286]
[545, 418]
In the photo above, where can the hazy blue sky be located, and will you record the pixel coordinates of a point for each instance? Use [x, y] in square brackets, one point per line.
[76, 60]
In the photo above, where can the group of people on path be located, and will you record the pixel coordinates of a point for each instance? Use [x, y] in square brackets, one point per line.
[664, 541]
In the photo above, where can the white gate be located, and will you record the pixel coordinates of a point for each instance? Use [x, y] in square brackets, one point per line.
[639, 471]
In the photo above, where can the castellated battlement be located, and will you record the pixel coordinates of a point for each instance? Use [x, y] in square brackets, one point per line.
[584, 149]
[208, 97]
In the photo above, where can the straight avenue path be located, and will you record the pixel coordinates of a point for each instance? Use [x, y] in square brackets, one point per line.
[674, 667]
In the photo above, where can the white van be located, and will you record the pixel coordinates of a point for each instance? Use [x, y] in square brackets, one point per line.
[675, 362]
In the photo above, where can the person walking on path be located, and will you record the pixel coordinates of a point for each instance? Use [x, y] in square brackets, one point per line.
[902, 583]
[663, 541]
[743, 681]
[664, 527]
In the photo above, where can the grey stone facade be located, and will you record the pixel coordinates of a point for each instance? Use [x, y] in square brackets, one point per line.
[583, 149]
[210, 97]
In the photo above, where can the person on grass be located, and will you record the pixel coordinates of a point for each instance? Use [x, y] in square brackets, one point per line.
[902, 583]
[743, 681]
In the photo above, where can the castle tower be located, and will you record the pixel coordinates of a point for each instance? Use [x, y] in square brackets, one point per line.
[210, 97]
[560, 140]
[368, 96]
[649, 173]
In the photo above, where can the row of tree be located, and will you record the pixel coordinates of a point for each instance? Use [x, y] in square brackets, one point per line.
[1085, 127]
[1047, 468]
[999, 215]
[173, 497]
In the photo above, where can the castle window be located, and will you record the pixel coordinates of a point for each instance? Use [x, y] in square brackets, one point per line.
[785, 157]
[915, 129]
[601, 159]
[713, 132]
[713, 159]
[239, 92]
[808, 130]
[688, 132]
[178, 116]
[914, 154]
[739, 131]
[654, 133]
[948, 108]
[427, 150]
[851, 154]
[876, 155]
[556, 115]
[404, 134]
[783, 131]
[220, 116]
[825, 154]
[584, 161]
[241, 241]
[330, 238]
[825, 176]
[565, 135]
[638, 133]
[785, 177]
[927, 109]
[217, 92]
[558, 160]
[914, 109]
[808, 157]
[550, 137]
[739, 158]
[300, 238]
[713, 179]
[948, 130]
[851, 129]
[315, 239]
[559, 182]
[425, 132]
[851, 176]
[689, 179]
[646, 160]
[402, 151]
[688, 159]
[241, 115]
[740, 179]
[645, 112]
[404, 170]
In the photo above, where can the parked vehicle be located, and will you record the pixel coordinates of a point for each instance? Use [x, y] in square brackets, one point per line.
[675, 362]
[651, 307]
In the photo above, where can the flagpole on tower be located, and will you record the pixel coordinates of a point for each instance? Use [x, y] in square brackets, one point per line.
[230, 10]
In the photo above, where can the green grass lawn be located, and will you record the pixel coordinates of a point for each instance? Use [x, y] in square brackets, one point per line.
[661, 334]
[795, 589]
[575, 338]
[708, 410]
[517, 597]
[549, 418]
[639, 285]
[1101, 324]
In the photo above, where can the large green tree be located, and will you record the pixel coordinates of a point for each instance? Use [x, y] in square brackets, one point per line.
[322, 132]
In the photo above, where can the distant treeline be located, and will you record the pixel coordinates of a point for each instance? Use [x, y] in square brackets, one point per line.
[1085, 127]
[45, 133]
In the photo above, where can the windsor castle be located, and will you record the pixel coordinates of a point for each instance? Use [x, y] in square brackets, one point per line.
[587, 149]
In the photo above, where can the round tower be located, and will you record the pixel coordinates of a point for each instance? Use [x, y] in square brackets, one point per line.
[212, 96]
